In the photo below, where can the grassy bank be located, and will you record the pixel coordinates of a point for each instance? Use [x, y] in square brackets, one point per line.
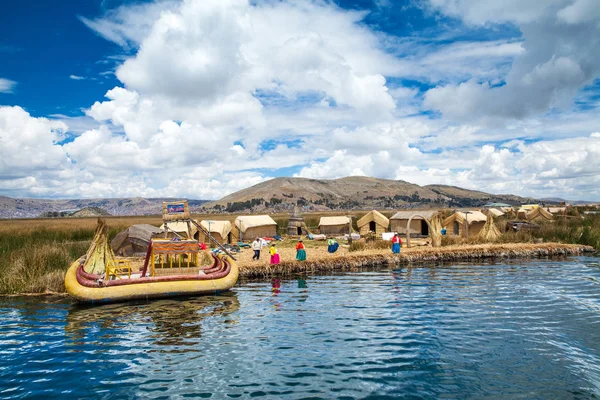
[34, 254]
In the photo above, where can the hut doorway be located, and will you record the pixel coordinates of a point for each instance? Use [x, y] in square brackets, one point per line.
[455, 228]
[372, 226]
[299, 230]
[229, 237]
[424, 228]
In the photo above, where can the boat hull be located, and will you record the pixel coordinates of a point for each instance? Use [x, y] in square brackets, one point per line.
[147, 288]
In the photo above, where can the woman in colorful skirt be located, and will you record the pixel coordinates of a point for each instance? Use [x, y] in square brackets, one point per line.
[274, 255]
[396, 244]
[300, 252]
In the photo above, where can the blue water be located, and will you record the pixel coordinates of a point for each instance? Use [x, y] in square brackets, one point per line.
[510, 330]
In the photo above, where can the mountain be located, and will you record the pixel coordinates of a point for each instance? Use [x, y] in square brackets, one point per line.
[32, 208]
[354, 192]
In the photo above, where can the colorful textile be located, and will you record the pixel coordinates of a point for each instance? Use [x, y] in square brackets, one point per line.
[332, 248]
[275, 259]
[396, 248]
[301, 255]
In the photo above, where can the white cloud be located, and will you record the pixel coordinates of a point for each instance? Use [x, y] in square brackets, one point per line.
[6, 85]
[76, 77]
[558, 59]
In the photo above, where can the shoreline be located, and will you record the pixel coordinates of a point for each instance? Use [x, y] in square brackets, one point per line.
[378, 258]
[353, 262]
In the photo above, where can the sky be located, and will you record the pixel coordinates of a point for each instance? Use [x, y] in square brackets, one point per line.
[201, 98]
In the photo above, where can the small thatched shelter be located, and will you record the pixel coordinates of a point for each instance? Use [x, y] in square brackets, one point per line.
[490, 231]
[538, 214]
[557, 210]
[456, 224]
[219, 230]
[522, 213]
[334, 225]
[296, 225]
[134, 240]
[494, 212]
[249, 227]
[373, 221]
[182, 229]
[418, 224]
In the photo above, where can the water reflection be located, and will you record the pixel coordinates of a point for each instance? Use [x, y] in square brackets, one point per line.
[171, 322]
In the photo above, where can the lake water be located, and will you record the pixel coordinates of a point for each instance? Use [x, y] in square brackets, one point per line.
[508, 330]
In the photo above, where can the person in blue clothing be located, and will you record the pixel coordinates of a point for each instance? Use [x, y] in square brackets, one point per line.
[396, 244]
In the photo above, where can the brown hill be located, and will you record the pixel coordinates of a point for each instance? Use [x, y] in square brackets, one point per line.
[354, 192]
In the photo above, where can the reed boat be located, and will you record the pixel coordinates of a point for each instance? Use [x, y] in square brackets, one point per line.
[170, 268]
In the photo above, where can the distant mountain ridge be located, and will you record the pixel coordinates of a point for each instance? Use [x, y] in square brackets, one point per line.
[33, 208]
[354, 192]
[282, 195]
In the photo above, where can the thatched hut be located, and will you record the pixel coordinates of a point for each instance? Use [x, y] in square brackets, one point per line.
[219, 230]
[494, 212]
[134, 240]
[334, 225]
[538, 214]
[456, 224]
[249, 227]
[182, 229]
[522, 213]
[373, 221]
[557, 210]
[418, 224]
[296, 225]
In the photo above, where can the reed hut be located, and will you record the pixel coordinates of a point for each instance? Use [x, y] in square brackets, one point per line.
[538, 214]
[134, 240]
[334, 225]
[219, 230]
[418, 224]
[373, 221]
[494, 212]
[522, 213]
[557, 210]
[456, 224]
[296, 225]
[489, 232]
[249, 227]
[182, 228]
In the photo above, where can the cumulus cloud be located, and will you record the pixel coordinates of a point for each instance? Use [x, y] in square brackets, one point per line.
[559, 57]
[6, 85]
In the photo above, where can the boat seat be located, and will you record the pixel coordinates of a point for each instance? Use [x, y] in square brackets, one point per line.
[117, 269]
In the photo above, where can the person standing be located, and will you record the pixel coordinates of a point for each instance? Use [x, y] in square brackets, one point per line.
[274, 255]
[396, 244]
[256, 246]
[300, 252]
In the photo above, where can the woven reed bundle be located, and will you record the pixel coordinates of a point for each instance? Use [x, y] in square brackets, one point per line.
[489, 232]
[435, 232]
[99, 255]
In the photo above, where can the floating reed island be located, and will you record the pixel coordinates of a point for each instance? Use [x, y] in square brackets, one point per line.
[378, 258]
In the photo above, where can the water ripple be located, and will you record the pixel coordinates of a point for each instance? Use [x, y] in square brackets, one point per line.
[506, 330]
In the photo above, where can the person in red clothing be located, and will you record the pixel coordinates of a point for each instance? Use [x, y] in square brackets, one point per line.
[396, 244]
[300, 252]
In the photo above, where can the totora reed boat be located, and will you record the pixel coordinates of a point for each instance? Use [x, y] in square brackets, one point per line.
[170, 268]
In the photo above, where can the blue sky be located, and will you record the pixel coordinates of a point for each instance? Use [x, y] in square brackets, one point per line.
[201, 98]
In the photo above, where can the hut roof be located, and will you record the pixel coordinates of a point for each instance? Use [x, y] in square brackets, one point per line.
[461, 217]
[556, 210]
[141, 232]
[495, 212]
[180, 227]
[538, 212]
[428, 214]
[221, 227]
[332, 221]
[244, 222]
[373, 215]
